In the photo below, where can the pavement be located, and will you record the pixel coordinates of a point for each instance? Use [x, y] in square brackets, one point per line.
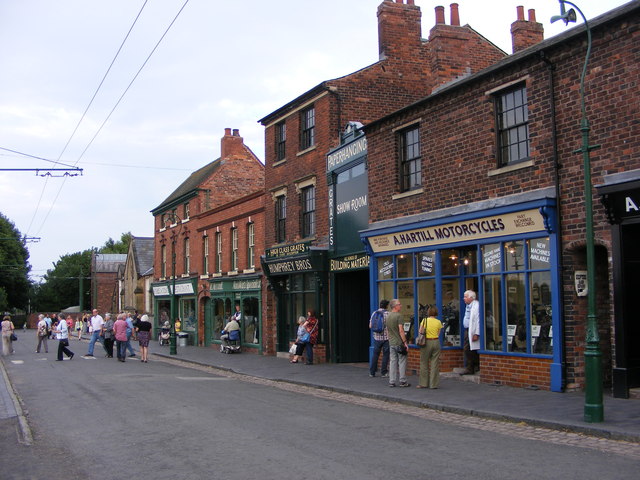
[558, 411]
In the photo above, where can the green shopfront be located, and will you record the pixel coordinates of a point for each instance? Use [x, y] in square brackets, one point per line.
[225, 294]
[508, 255]
[186, 306]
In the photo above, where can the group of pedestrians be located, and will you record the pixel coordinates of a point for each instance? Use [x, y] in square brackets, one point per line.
[103, 330]
[306, 338]
[393, 343]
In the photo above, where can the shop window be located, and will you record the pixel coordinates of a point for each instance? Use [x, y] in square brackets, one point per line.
[425, 264]
[512, 119]
[405, 265]
[307, 128]
[308, 197]
[410, 160]
[188, 314]
[218, 318]
[385, 268]
[281, 218]
[250, 317]
[281, 141]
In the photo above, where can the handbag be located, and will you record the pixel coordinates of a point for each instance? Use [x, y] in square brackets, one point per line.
[421, 339]
[13, 337]
[293, 348]
[306, 337]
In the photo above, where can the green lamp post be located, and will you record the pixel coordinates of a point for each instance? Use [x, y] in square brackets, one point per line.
[593, 407]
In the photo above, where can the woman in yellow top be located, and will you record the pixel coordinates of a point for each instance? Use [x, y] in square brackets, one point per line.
[430, 354]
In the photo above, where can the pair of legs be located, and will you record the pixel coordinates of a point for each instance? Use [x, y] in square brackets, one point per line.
[430, 365]
[95, 337]
[121, 349]
[397, 367]
[62, 348]
[42, 341]
[379, 346]
[108, 347]
[300, 346]
[471, 357]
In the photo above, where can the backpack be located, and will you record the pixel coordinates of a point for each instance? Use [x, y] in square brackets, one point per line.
[43, 331]
[377, 321]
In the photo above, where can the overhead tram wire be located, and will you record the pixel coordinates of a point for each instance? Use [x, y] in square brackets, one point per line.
[78, 125]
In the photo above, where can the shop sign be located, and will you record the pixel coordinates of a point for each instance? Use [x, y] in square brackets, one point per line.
[287, 250]
[508, 224]
[351, 262]
[290, 266]
[181, 289]
[347, 154]
[161, 291]
[426, 263]
[247, 284]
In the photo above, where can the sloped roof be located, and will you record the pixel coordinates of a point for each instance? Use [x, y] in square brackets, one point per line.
[143, 254]
[189, 185]
[108, 262]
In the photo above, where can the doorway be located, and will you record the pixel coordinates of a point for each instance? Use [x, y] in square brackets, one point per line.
[351, 299]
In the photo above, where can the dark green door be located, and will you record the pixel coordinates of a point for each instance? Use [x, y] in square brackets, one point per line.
[352, 316]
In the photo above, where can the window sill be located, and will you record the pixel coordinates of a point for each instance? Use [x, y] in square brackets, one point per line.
[306, 150]
[409, 193]
[279, 162]
[162, 229]
[185, 220]
[216, 275]
[510, 168]
[184, 275]
[249, 270]
[204, 276]
[232, 273]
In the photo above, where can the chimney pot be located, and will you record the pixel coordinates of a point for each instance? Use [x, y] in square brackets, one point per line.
[439, 15]
[410, 2]
[399, 1]
[236, 132]
[227, 131]
[455, 16]
[532, 15]
[520, 10]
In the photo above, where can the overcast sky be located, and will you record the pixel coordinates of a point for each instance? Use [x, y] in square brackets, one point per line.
[222, 64]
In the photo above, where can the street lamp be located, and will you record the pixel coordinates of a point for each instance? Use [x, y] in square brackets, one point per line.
[174, 219]
[593, 407]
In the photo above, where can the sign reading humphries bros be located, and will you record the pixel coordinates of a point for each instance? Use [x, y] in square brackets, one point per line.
[288, 259]
[507, 224]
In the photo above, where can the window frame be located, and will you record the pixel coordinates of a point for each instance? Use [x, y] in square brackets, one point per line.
[281, 218]
[407, 158]
[218, 252]
[308, 211]
[234, 249]
[504, 132]
[205, 254]
[308, 128]
[186, 256]
[163, 261]
[251, 245]
[280, 141]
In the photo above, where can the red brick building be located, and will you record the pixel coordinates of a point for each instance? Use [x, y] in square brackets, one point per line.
[299, 186]
[105, 281]
[208, 238]
[478, 186]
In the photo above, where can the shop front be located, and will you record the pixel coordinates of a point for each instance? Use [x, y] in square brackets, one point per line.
[621, 198]
[227, 294]
[297, 274]
[508, 255]
[185, 298]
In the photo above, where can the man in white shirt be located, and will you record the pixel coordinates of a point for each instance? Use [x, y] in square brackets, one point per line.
[96, 327]
[471, 325]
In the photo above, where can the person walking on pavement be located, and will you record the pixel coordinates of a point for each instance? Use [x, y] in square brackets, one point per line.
[42, 332]
[49, 323]
[62, 334]
[430, 354]
[312, 328]
[471, 325]
[143, 330]
[107, 335]
[380, 343]
[300, 343]
[130, 334]
[7, 331]
[398, 346]
[96, 328]
[78, 326]
[120, 332]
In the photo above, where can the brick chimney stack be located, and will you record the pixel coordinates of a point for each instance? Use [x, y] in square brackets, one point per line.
[525, 33]
[231, 143]
[399, 29]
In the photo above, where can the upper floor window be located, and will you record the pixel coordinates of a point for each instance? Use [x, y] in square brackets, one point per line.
[307, 128]
[205, 255]
[512, 118]
[187, 257]
[308, 197]
[218, 252]
[281, 139]
[163, 261]
[185, 212]
[410, 160]
[251, 245]
[234, 249]
[281, 218]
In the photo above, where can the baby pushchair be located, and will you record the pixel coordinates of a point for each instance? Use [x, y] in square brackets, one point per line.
[164, 337]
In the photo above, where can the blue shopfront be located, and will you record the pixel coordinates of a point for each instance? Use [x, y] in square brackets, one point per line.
[506, 251]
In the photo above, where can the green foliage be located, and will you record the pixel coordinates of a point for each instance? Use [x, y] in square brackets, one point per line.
[61, 285]
[122, 246]
[14, 267]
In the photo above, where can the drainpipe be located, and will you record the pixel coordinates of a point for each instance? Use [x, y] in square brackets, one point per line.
[556, 180]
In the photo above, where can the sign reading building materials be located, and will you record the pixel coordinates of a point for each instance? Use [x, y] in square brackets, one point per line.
[507, 224]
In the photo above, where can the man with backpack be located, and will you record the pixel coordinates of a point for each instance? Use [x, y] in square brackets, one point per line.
[378, 325]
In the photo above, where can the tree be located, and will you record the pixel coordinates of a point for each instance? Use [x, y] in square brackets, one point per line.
[117, 247]
[14, 266]
[61, 285]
